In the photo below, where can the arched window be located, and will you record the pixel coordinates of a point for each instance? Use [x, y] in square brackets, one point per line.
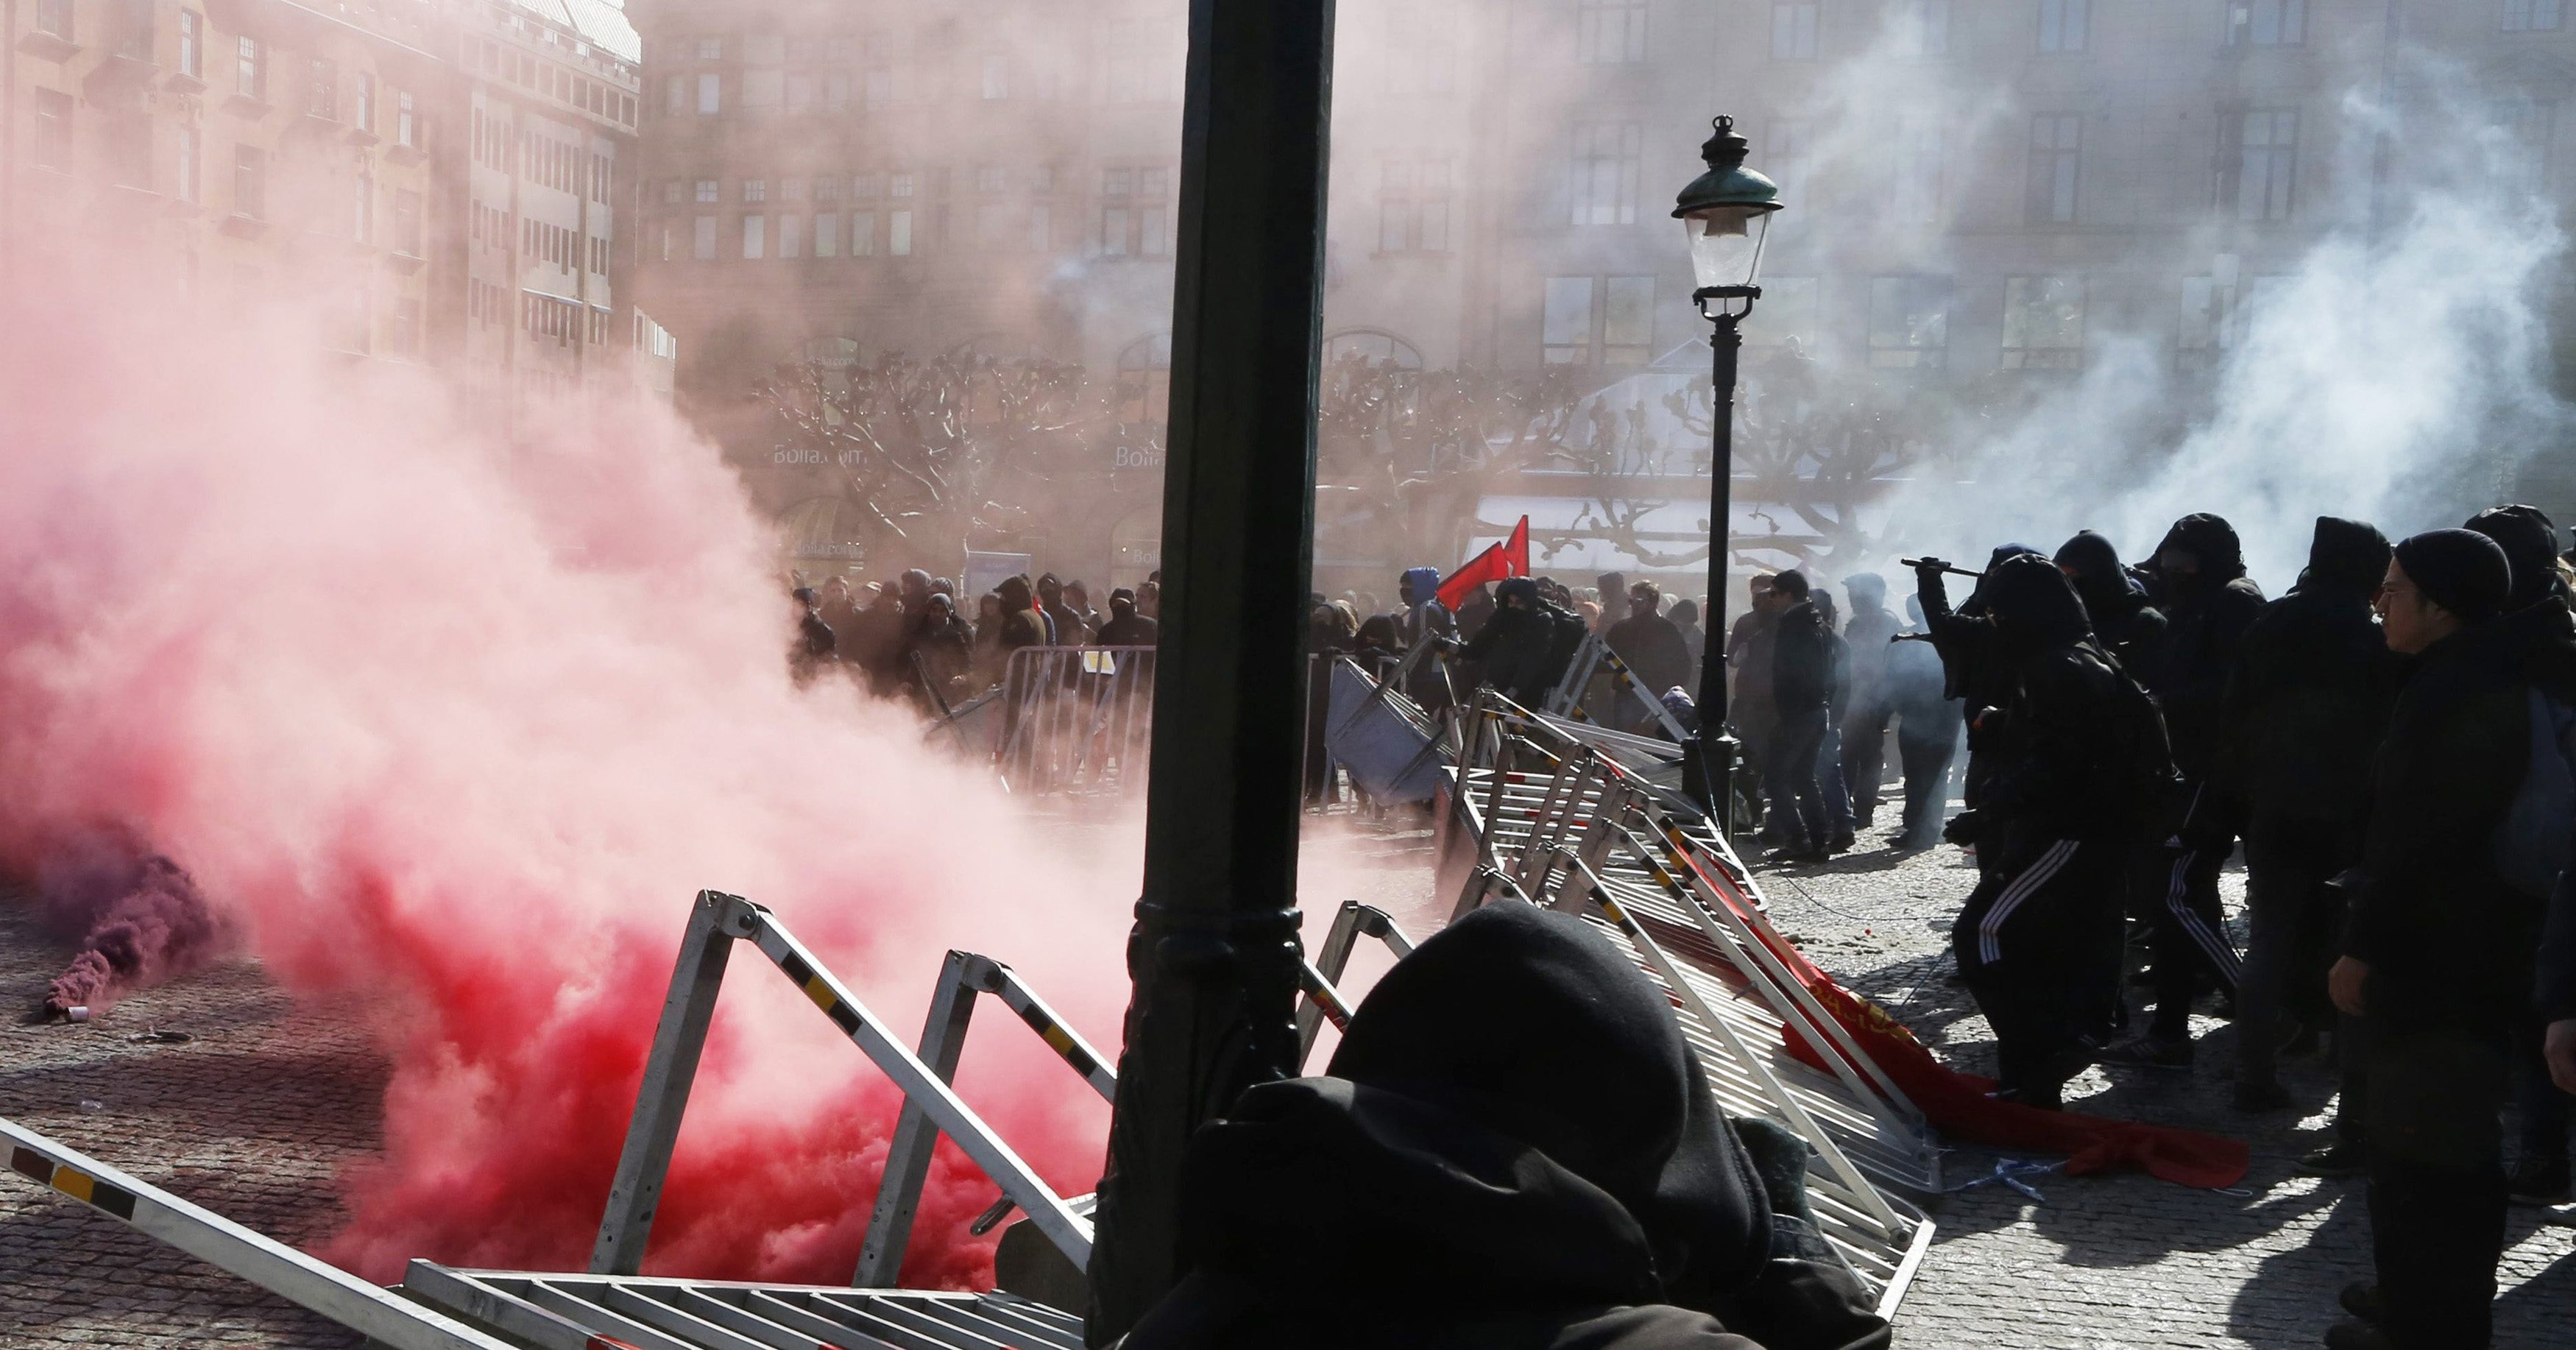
[1375, 345]
[820, 528]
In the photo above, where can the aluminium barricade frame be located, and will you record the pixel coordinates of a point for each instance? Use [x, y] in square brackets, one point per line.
[1062, 706]
[716, 923]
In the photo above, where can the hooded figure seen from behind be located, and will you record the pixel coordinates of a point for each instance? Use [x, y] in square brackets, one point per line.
[1514, 1149]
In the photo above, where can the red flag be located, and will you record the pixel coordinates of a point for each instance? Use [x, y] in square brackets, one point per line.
[1497, 562]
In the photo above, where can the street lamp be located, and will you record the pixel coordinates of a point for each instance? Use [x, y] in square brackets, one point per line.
[1727, 212]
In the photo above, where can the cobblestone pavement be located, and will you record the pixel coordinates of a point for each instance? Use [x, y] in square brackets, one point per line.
[254, 1115]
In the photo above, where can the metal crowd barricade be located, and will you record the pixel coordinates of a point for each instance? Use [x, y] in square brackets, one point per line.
[1593, 659]
[716, 923]
[1076, 719]
[1332, 957]
[1390, 747]
[1556, 819]
[916, 1132]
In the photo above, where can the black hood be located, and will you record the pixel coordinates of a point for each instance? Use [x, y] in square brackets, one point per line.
[1976, 602]
[2213, 541]
[2346, 556]
[2033, 604]
[1802, 617]
[1512, 1120]
[2093, 561]
[2530, 542]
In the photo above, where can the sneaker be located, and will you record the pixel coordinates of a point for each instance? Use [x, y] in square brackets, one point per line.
[2362, 1299]
[2336, 1161]
[2358, 1336]
[1843, 842]
[2254, 1099]
[2538, 1181]
[2151, 1051]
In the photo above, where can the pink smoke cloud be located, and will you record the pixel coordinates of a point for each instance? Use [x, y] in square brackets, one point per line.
[461, 723]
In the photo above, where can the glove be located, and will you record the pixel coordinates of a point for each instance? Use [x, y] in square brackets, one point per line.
[1964, 828]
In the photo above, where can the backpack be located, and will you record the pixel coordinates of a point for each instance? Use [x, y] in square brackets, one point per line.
[2534, 842]
[2140, 765]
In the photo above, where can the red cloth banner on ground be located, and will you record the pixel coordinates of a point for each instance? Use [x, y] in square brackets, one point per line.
[1957, 1103]
[1498, 561]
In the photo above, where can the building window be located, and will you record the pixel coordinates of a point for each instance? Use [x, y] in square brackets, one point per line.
[192, 44]
[2534, 16]
[1787, 314]
[997, 78]
[1604, 177]
[863, 234]
[899, 234]
[1565, 322]
[53, 130]
[2257, 180]
[1909, 322]
[2056, 154]
[675, 95]
[992, 224]
[407, 223]
[710, 49]
[133, 21]
[1133, 209]
[1793, 30]
[322, 90]
[189, 189]
[763, 89]
[755, 236]
[250, 182]
[1628, 321]
[827, 188]
[707, 190]
[1422, 47]
[1141, 63]
[364, 117]
[54, 18]
[755, 190]
[992, 178]
[1917, 146]
[362, 210]
[2209, 313]
[1413, 206]
[2284, 23]
[710, 93]
[702, 241]
[406, 328]
[1923, 27]
[2064, 25]
[405, 127]
[1784, 152]
[1609, 32]
[247, 68]
[791, 236]
[2043, 323]
[876, 73]
[827, 234]
[129, 148]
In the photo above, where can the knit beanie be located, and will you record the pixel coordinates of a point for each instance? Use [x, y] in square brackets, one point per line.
[2463, 571]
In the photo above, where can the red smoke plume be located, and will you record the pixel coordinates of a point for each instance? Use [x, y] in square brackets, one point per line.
[138, 917]
[461, 724]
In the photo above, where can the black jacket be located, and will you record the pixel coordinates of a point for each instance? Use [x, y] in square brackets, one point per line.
[2124, 623]
[2057, 766]
[1802, 661]
[2308, 703]
[2556, 985]
[1514, 1150]
[2206, 616]
[1126, 630]
[1972, 670]
[1523, 652]
[1653, 648]
[2448, 942]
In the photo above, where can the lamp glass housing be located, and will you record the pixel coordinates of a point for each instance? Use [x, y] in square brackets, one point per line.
[1726, 244]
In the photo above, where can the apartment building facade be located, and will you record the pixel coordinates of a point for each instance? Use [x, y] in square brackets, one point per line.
[243, 151]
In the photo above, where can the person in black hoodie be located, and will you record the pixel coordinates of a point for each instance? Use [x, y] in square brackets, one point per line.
[2540, 1169]
[1512, 1149]
[2439, 948]
[2130, 630]
[2304, 715]
[1522, 648]
[2197, 578]
[1802, 683]
[2057, 807]
[1973, 673]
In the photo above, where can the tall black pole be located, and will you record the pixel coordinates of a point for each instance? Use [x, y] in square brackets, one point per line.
[1715, 754]
[1214, 950]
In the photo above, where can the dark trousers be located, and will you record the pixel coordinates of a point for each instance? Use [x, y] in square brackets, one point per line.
[2021, 942]
[1865, 756]
[1927, 745]
[2295, 918]
[2190, 934]
[2543, 1107]
[2437, 1183]
[1795, 791]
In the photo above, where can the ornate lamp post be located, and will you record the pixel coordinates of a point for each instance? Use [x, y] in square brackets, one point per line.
[1727, 212]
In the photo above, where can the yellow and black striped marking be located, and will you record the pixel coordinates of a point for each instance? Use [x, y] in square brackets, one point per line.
[73, 1182]
[820, 991]
[1057, 1038]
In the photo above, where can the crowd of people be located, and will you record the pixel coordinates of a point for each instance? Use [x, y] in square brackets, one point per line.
[2393, 742]
[908, 637]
